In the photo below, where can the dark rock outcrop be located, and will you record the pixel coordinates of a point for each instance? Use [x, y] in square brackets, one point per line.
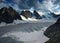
[53, 15]
[26, 14]
[55, 38]
[14, 14]
[43, 16]
[51, 30]
[7, 15]
[37, 15]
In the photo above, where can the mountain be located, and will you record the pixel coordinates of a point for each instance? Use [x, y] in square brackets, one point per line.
[27, 14]
[50, 15]
[54, 15]
[37, 15]
[8, 15]
[51, 30]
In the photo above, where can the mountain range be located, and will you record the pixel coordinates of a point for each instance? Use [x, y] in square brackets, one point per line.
[8, 15]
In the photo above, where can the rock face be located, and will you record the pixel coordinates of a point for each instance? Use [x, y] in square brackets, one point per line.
[51, 30]
[53, 15]
[7, 15]
[26, 14]
[37, 15]
[14, 14]
[55, 38]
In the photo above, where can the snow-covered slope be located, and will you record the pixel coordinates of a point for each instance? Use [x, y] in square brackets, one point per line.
[32, 37]
[27, 32]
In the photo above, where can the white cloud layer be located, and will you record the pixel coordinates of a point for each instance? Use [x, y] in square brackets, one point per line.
[44, 6]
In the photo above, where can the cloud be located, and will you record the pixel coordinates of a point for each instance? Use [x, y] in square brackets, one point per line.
[49, 6]
[43, 5]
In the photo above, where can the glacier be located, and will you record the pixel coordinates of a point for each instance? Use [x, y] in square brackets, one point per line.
[25, 31]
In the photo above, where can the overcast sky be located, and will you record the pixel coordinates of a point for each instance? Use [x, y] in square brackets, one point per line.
[43, 5]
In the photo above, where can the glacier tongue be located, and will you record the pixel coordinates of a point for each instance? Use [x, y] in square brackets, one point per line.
[26, 31]
[32, 37]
